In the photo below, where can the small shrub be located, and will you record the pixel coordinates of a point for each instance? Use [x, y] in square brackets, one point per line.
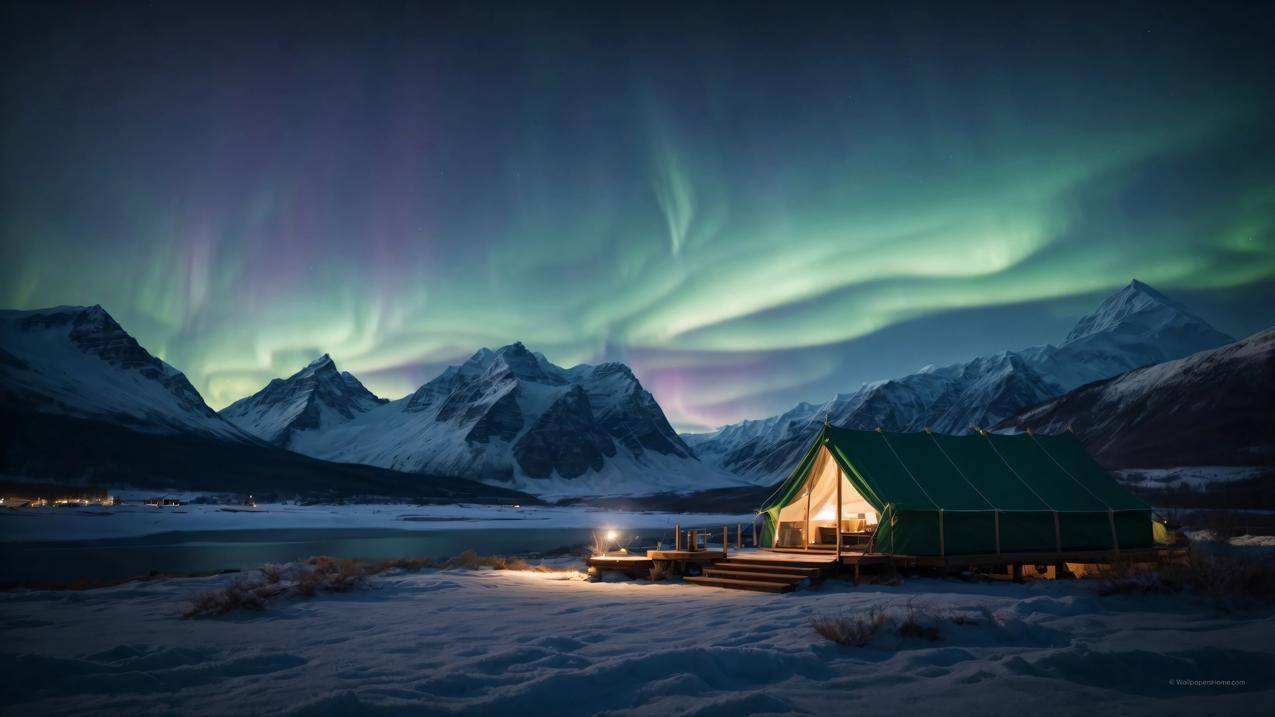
[912, 625]
[600, 543]
[272, 572]
[1228, 579]
[238, 595]
[850, 630]
[467, 559]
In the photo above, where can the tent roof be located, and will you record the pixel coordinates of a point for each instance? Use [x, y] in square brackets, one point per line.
[979, 472]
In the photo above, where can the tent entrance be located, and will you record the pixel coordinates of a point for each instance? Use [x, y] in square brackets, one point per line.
[809, 519]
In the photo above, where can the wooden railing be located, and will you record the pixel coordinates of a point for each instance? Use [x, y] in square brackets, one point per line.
[702, 538]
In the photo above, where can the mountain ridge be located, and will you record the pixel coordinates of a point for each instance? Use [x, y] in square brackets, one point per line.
[82, 401]
[506, 416]
[78, 361]
[1133, 327]
[1214, 407]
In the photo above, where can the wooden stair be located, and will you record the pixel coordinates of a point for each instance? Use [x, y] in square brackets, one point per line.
[812, 549]
[773, 575]
[739, 584]
[810, 570]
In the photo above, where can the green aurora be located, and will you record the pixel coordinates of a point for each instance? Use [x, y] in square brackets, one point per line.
[750, 205]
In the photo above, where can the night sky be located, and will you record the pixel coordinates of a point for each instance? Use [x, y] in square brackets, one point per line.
[752, 205]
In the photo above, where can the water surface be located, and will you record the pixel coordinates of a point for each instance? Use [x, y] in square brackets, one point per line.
[207, 551]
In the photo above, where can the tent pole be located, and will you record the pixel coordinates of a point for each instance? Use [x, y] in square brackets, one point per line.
[1115, 541]
[996, 518]
[840, 478]
[805, 536]
[942, 549]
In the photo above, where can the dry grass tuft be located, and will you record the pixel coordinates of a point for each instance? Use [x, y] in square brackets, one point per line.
[1225, 579]
[850, 630]
[323, 573]
[1228, 580]
[918, 623]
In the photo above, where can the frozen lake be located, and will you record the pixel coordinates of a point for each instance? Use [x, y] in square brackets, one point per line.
[65, 544]
[185, 552]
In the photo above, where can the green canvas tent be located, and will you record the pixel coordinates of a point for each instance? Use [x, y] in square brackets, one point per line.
[930, 494]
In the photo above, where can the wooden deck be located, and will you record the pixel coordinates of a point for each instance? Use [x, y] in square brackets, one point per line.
[772, 570]
[1141, 555]
[675, 560]
[698, 556]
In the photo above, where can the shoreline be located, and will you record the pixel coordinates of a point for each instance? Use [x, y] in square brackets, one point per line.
[32, 525]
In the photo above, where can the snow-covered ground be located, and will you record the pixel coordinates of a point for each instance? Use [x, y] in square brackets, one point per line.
[1187, 476]
[1239, 541]
[487, 642]
[131, 520]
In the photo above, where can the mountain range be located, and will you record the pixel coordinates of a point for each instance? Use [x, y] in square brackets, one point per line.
[1213, 408]
[1137, 326]
[506, 416]
[82, 401]
[77, 361]
[1142, 380]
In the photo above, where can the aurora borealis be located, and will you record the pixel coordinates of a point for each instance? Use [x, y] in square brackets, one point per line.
[752, 205]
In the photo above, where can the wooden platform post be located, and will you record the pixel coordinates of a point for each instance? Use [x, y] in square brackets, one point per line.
[739, 537]
[677, 536]
[725, 540]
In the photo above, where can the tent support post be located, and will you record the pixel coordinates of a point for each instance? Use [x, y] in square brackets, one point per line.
[725, 540]
[839, 479]
[1111, 520]
[1057, 534]
[805, 535]
[677, 537]
[942, 548]
[996, 518]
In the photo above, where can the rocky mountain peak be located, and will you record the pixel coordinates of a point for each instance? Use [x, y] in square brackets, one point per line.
[1140, 310]
[77, 360]
[316, 395]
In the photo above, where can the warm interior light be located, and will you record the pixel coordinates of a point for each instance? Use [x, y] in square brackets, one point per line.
[612, 535]
[871, 517]
[828, 513]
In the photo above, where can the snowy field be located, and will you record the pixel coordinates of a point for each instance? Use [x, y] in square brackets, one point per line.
[132, 520]
[486, 642]
[1196, 477]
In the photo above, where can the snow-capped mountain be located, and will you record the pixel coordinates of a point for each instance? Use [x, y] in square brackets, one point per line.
[510, 417]
[81, 400]
[77, 361]
[1213, 408]
[312, 399]
[1137, 326]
